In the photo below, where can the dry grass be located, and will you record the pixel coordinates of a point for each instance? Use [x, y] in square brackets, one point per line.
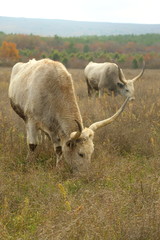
[120, 197]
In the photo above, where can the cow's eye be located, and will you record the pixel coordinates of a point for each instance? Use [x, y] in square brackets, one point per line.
[81, 155]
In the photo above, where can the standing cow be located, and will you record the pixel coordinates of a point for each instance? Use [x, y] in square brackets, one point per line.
[108, 76]
[42, 94]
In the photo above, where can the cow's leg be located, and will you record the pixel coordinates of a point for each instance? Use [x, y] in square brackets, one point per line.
[32, 135]
[58, 151]
[101, 92]
[32, 138]
[57, 146]
[89, 88]
[90, 91]
[109, 93]
[115, 93]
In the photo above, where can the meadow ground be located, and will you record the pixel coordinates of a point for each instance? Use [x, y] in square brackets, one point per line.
[118, 200]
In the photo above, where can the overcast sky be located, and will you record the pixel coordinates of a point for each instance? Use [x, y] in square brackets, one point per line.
[119, 11]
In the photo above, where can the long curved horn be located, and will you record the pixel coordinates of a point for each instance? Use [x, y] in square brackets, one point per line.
[78, 133]
[74, 135]
[105, 122]
[140, 74]
[121, 76]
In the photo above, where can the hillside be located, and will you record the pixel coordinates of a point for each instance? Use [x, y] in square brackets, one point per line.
[66, 28]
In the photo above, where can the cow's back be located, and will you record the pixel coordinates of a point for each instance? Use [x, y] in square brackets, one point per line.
[98, 69]
[94, 70]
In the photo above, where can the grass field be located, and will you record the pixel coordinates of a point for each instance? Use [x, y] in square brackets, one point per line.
[118, 200]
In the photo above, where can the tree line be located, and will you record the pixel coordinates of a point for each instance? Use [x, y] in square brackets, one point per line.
[75, 52]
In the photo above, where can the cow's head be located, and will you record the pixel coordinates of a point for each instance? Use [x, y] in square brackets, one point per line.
[126, 87]
[77, 151]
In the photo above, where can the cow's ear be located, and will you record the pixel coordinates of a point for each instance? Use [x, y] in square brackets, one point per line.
[120, 85]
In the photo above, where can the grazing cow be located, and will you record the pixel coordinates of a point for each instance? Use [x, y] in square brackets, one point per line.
[42, 94]
[101, 76]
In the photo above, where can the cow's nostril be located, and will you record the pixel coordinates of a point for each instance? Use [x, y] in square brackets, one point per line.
[81, 155]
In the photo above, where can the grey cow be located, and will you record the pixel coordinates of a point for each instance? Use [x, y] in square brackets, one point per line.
[108, 76]
[42, 94]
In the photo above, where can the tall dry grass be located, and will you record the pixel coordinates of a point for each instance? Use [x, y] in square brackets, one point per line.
[118, 200]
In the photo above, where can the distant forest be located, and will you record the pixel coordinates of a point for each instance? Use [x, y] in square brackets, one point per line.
[75, 52]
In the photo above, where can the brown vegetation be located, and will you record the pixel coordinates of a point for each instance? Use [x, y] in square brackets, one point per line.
[9, 54]
[120, 197]
[128, 51]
